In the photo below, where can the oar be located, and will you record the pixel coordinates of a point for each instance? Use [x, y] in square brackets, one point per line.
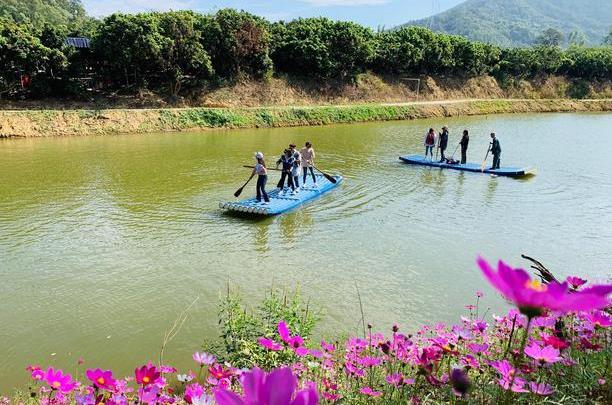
[268, 168]
[455, 151]
[327, 176]
[239, 191]
[484, 162]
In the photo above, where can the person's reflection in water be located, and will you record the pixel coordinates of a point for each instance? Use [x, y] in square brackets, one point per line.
[491, 188]
[460, 182]
[295, 224]
[261, 234]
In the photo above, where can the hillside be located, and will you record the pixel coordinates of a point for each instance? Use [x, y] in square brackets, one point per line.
[519, 22]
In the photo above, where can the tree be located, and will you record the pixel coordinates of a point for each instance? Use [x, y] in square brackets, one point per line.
[608, 39]
[576, 38]
[322, 48]
[550, 37]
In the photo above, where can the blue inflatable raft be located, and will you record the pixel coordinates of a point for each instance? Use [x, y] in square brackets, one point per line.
[284, 202]
[469, 167]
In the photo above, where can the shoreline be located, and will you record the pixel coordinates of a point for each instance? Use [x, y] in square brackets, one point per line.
[49, 123]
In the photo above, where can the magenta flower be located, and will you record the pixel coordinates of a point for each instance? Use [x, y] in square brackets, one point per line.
[36, 372]
[148, 394]
[478, 348]
[370, 392]
[59, 381]
[541, 389]
[533, 297]
[599, 318]
[575, 282]
[270, 344]
[147, 374]
[102, 379]
[276, 388]
[546, 354]
[193, 391]
[550, 340]
[204, 358]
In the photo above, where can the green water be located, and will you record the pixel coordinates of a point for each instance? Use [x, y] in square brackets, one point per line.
[104, 240]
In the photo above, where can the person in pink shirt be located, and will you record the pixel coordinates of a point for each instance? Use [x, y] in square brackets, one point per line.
[308, 155]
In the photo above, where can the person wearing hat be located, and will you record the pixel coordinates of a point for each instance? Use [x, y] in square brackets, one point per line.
[261, 171]
[295, 169]
[287, 161]
[465, 140]
[308, 155]
[495, 150]
[443, 143]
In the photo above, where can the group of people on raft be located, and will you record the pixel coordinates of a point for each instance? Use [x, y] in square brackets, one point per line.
[442, 141]
[291, 161]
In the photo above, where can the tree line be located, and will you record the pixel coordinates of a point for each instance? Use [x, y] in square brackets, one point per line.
[177, 50]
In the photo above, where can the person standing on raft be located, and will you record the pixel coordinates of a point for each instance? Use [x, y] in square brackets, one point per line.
[295, 169]
[262, 178]
[430, 142]
[287, 161]
[443, 143]
[495, 150]
[465, 140]
[308, 155]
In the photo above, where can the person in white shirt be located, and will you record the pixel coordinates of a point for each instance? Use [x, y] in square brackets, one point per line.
[308, 155]
[295, 170]
[262, 177]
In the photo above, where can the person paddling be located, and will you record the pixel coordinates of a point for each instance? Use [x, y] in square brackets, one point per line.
[443, 143]
[495, 150]
[465, 140]
[287, 161]
[430, 142]
[308, 155]
[295, 169]
[262, 178]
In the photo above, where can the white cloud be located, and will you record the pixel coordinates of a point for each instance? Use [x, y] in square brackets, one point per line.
[329, 3]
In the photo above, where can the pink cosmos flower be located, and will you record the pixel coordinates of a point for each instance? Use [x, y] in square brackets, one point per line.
[328, 347]
[275, 388]
[599, 318]
[217, 371]
[370, 392]
[204, 358]
[270, 344]
[193, 391]
[102, 379]
[554, 341]
[478, 348]
[533, 297]
[59, 381]
[575, 282]
[36, 372]
[147, 374]
[148, 394]
[541, 389]
[546, 354]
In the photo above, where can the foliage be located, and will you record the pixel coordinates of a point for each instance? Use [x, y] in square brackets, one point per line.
[510, 23]
[321, 48]
[588, 63]
[240, 328]
[38, 13]
[550, 37]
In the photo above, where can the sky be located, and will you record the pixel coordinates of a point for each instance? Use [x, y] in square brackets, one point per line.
[374, 13]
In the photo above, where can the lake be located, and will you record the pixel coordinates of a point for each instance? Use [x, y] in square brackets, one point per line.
[105, 239]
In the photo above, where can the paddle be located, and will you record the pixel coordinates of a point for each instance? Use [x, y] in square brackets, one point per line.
[239, 191]
[484, 162]
[327, 176]
[455, 151]
[269, 168]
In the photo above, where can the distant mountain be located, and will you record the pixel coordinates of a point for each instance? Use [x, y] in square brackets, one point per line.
[519, 22]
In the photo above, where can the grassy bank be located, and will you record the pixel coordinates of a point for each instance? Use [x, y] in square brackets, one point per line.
[33, 123]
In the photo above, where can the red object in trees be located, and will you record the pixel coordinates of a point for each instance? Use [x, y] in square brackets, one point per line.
[26, 80]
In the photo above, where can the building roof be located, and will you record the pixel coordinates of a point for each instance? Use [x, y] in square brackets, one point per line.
[77, 42]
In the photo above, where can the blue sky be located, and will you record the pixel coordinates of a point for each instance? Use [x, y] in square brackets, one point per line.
[368, 12]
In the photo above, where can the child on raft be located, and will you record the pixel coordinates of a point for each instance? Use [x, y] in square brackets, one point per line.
[262, 178]
[430, 142]
[287, 161]
[295, 169]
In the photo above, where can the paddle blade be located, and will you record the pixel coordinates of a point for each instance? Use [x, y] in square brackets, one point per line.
[238, 192]
[330, 178]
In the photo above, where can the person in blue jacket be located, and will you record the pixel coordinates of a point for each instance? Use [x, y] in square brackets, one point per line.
[287, 160]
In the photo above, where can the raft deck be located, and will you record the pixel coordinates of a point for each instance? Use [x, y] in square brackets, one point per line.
[286, 202]
[508, 171]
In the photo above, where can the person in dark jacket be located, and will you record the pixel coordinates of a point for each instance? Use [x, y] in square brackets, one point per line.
[465, 140]
[287, 161]
[443, 143]
[495, 150]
